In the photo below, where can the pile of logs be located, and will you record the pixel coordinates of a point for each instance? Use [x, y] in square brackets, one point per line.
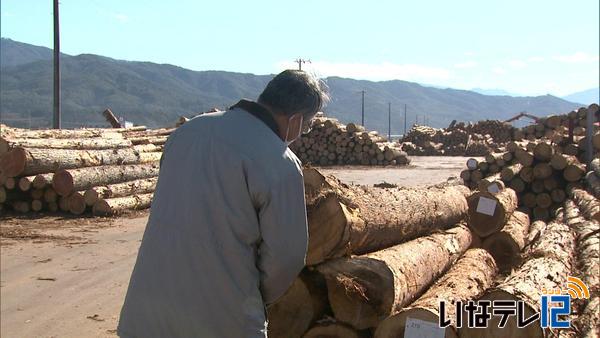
[542, 173]
[102, 171]
[380, 260]
[332, 143]
[547, 127]
[457, 140]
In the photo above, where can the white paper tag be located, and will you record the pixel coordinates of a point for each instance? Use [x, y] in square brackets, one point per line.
[486, 206]
[416, 328]
[493, 188]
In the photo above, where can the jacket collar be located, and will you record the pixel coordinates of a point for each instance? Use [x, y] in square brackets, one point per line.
[260, 112]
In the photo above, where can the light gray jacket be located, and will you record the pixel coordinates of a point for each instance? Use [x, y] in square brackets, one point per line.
[227, 232]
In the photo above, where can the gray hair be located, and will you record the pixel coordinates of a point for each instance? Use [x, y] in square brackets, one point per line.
[295, 91]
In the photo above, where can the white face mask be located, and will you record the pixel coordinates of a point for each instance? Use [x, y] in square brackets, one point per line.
[289, 141]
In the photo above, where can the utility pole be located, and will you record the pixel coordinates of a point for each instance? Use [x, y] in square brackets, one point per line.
[416, 118]
[362, 110]
[300, 61]
[389, 122]
[405, 119]
[56, 118]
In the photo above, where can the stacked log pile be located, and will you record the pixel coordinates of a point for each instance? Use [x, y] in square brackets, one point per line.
[332, 143]
[548, 127]
[542, 173]
[99, 171]
[376, 267]
[459, 140]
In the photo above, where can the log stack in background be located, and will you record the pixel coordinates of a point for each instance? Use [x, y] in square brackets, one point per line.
[541, 172]
[99, 171]
[332, 143]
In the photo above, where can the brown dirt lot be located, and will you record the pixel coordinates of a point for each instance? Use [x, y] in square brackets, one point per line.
[66, 277]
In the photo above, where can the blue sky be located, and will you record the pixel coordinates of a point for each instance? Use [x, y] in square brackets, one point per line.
[528, 47]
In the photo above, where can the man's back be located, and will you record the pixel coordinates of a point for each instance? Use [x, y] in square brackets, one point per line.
[226, 234]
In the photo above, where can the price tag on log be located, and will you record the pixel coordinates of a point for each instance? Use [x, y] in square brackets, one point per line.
[486, 206]
[416, 328]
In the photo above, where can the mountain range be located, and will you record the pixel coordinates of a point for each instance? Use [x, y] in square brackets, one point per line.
[157, 94]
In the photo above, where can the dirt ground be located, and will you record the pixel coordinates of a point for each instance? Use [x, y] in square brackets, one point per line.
[66, 277]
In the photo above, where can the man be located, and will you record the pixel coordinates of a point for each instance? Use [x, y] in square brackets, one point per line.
[227, 232]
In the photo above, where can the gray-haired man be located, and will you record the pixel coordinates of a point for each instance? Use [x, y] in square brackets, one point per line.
[227, 232]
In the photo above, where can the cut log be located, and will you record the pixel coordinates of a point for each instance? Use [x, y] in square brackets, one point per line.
[76, 203]
[489, 212]
[595, 166]
[32, 161]
[541, 214]
[2, 194]
[301, 305]
[26, 182]
[64, 133]
[547, 268]
[36, 205]
[524, 157]
[543, 200]
[466, 280]
[37, 194]
[65, 182]
[543, 152]
[588, 204]
[42, 180]
[526, 174]
[10, 183]
[114, 206]
[517, 185]
[358, 220]
[333, 330]
[472, 164]
[506, 245]
[588, 322]
[508, 173]
[364, 290]
[558, 161]
[63, 203]
[535, 230]
[50, 195]
[80, 144]
[542, 171]
[142, 186]
[574, 170]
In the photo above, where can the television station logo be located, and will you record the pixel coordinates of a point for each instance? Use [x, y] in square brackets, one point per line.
[555, 309]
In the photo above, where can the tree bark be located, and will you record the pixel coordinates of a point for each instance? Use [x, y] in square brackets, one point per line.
[356, 220]
[466, 280]
[506, 245]
[588, 245]
[114, 206]
[20, 161]
[141, 186]
[587, 203]
[547, 268]
[574, 170]
[76, 203]
[589, 321]
[486, 221]
[508, 173]
[42, 180]
[65, 182]
[80, 143]
[364, 290]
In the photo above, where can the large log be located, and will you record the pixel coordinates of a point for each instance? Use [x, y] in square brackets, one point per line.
[595, 166]
[65, 182]
[301, 305]
[80, 144]
[357, 220]
[20, 161]
[587, 203]
[489, 212]
[508, 173]
[506, 245]
[142, 186]
[547, 267]
[62, 133]
[574, 170]
[114, 206]
[588, 321]
[364, 290]
[466, 280]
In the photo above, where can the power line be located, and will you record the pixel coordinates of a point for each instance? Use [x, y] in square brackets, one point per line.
[300, 61]
[56, 117]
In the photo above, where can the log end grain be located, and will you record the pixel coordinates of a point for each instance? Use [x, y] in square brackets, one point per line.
[76, 203]
[62, 182]
[13, 162]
